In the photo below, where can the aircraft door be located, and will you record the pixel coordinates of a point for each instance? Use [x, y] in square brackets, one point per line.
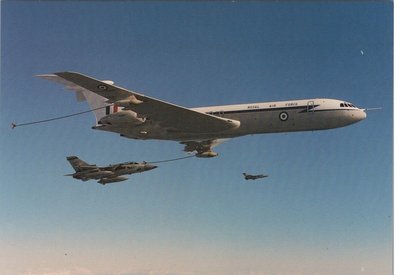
[310, 107]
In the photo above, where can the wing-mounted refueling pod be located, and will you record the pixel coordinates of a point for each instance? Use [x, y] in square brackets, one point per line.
[121, 117]
[130, 101]
[203, 148]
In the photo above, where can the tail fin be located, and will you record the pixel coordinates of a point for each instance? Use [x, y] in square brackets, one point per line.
[78, 164]
[95, 101]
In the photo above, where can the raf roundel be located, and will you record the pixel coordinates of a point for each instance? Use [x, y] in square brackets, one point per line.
[283, 116]
[102, 87]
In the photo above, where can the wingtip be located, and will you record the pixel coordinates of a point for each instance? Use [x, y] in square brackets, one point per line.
[45, 75]
[56, 74]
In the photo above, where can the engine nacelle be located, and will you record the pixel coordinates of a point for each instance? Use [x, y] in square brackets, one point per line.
[208, 154]
[122, 117]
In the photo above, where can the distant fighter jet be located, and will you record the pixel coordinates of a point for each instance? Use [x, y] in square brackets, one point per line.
[253, 177]
[107, 174]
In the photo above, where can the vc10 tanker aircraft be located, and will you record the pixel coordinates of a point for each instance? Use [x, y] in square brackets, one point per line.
[137, 116]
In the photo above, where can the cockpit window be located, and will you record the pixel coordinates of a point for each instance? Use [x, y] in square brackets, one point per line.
[344, 104]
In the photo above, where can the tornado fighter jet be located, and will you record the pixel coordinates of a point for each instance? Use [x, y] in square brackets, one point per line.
[253, 177]
[107, 174]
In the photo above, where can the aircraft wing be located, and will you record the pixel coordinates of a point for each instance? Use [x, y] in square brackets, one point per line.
[88, 167]
[166, 115]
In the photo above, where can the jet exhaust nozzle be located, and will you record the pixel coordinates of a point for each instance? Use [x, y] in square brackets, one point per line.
[209, 154]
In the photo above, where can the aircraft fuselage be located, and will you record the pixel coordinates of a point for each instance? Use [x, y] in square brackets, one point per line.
[261, 118]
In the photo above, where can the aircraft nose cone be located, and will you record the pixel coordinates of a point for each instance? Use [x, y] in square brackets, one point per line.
[362, 115]
[359, 115]
[150, 167]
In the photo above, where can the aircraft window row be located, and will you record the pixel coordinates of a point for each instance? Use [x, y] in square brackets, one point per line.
[347, 105]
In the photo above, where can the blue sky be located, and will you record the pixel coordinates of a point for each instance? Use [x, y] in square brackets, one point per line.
[326, 207]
